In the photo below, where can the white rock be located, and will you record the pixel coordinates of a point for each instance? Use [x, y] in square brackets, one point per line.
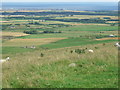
[72, 65]
[90, 50]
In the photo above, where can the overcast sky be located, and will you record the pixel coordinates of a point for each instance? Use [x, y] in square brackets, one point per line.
[59, 0]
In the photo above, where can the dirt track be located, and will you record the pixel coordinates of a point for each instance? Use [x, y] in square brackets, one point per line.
[108, 38]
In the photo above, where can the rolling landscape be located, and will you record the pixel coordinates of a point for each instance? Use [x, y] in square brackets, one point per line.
[59, 47]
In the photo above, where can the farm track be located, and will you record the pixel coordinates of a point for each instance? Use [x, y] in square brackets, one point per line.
[108, 38]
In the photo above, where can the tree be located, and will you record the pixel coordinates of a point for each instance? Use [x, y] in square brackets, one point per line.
[31, 32]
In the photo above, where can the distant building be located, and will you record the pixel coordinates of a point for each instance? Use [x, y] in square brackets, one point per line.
[111, 35]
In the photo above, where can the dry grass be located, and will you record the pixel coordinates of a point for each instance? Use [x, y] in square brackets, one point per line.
[61, 54]
[23, 68]
[110, 38]
[110, 32]
[112, 22]
[88, 24]
[14, 34]
[27, 42]
[4, 21]
[87, 17]
[26, 10]
[70, 23]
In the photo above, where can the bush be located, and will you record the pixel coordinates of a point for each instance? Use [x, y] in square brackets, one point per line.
[52, 31]
[17, 24]
[48, 31]
[113, 24]
[31, 32]
[79, 51]
[36, 23]
[41, 54]
[106, 18]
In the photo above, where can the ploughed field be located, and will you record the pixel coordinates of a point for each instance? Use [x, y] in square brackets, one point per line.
[51, 50]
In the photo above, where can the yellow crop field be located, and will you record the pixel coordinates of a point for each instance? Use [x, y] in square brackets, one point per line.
[86, 17]
[29, 42]
[112, 21]
[15, 34]
[108, 38]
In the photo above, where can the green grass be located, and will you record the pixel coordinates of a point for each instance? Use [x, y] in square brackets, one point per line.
[59, 44]
[88, 73]
[76, 31]
[74, 42]
[77, 77]
[90, 28]
[14, 50]
[28, 69]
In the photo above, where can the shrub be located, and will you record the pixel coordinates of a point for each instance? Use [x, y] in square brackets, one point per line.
[17, 24]
[106, 18]
[36, 23]
[113, 24]
[96, 47]
[31, 32]
[79, 51]
[51, 31]
[41, 54]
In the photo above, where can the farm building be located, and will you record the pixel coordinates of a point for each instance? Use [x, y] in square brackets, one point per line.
[111, 35]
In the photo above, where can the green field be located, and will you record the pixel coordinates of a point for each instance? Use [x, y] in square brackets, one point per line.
[48, 65]
[14, 50]
[77, 31]
[74, 42]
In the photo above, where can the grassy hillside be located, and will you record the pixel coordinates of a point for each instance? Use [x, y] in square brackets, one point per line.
[92, 70]
[74, 42]
[58, 45]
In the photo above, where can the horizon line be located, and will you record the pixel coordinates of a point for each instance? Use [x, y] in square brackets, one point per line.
[71, 1]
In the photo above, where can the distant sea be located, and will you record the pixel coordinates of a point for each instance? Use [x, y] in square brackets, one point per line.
[61, 5]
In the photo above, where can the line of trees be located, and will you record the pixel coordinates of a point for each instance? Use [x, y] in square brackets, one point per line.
[31, 32]
[36, 32]
[110, 13]
[80, 20]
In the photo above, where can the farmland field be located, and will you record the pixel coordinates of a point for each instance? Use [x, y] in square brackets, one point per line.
[42, 46]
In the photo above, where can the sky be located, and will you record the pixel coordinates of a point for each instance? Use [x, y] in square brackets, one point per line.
[60, 0]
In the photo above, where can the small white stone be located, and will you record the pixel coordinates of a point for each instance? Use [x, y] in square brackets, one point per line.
[90, 50]
[17, 77]
[72, 65]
